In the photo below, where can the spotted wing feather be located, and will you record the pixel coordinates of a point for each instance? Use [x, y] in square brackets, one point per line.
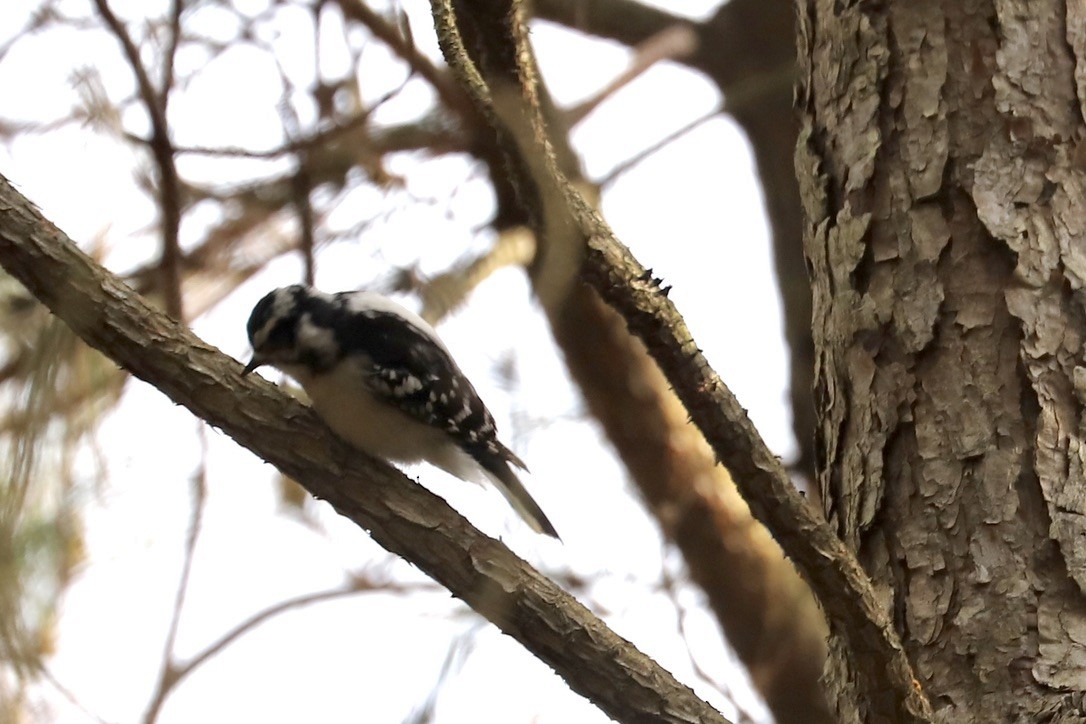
[425, 382]
[419, 378]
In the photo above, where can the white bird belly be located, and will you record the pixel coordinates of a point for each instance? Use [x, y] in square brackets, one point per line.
[354, 414]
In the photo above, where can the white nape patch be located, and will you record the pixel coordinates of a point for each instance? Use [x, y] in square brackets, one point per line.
[373, 302]
[315, 337]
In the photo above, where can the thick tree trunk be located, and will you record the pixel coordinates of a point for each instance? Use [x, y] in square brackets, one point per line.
[943, 185]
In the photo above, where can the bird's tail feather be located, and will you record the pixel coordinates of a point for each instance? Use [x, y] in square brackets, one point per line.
[507, 482]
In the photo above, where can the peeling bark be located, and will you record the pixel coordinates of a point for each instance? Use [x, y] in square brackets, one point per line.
[944, 192]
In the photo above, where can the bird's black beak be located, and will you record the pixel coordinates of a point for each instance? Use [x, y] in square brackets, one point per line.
[252, 364]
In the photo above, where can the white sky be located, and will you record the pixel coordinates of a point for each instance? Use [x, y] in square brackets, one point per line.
[692, 212]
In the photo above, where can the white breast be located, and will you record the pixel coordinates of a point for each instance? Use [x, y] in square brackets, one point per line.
[347, 407]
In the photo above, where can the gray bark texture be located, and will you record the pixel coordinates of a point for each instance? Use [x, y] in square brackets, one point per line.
[941, 166]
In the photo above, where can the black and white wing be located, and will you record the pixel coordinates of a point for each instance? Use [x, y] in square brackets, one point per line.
[408, 367]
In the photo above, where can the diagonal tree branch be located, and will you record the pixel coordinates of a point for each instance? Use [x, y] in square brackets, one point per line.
[836, 578]
[765, 609]
[881, 667]
[401, 516]
[747, 48]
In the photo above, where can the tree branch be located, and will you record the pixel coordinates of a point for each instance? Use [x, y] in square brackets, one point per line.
[168, 676]
[169, 192]
[671, 43]
[443, 84]
[353, 587]
[834, 574]
[447, 291]
[767, 612]
[731, 46]
[403, 517]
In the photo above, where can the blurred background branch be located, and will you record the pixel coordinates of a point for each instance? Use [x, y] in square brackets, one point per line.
[364, 116]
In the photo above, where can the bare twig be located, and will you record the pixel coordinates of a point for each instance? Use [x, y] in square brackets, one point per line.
[169, 192]
[168, 677]
[68, 694]
[174, 40]
[670, 586]
[670, 138]
[447, 291]
[446, 87]
[304, 205]
[323, 137]
[677, 41]
[300, 181]
[354, 587]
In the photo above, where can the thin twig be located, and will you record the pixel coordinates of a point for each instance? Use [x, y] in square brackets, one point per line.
[447, 89]
[355, 586]
[677, 41]
[168, 678]
[670, 587]
[304, 205]
[49, 676]
[293, 145]
[300, 181]
[655, 148]
[168, 64]
[169, 192]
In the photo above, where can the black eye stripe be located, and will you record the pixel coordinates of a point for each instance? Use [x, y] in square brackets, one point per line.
[282, 334]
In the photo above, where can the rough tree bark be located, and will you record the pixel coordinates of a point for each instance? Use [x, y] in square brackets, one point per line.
[942, 172]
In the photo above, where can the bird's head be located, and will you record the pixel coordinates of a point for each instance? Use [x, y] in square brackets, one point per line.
[286, 331]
